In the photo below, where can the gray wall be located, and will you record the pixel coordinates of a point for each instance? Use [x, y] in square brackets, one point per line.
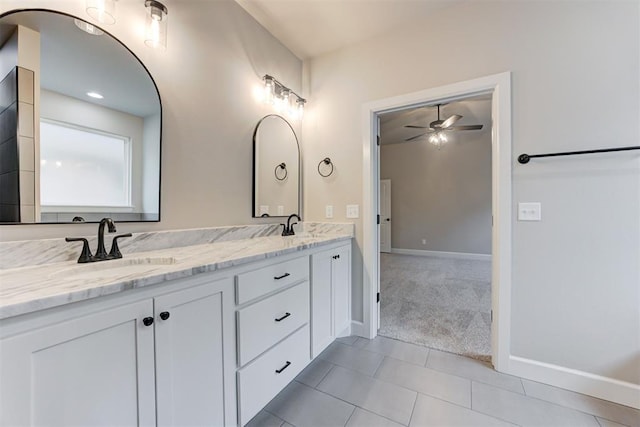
[575, 66]
[440, 195]
[215, 59]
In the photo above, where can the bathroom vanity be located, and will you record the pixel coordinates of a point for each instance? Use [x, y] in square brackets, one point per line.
[197, 335]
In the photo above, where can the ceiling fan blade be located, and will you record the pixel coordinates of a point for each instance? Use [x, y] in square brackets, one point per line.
[415, 137]
[451, 120]
[465, 127]
[416, 127]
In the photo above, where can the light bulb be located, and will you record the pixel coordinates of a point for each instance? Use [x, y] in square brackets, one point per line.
[269, 90]
[103, 11]
[156, 25]
[300, 107]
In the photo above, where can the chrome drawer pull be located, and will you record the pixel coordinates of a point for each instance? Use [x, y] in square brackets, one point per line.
[283, 317]
[286, 365]
[282, 277]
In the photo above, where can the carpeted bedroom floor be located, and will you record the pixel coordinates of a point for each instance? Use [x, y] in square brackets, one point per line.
[441, 303]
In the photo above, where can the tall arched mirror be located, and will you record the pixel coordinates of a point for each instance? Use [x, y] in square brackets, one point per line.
[81, 119]
[276, 168]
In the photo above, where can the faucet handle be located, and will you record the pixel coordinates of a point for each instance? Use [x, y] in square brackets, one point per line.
[115, 251]
[85, 255]
[291, 230]
[284, 230]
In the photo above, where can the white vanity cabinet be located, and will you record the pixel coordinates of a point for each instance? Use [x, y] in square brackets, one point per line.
[330, 296]
[118, 362]
[272, 330]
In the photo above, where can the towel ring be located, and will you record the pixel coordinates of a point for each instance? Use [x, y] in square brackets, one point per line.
[326, 161]
[282, 166]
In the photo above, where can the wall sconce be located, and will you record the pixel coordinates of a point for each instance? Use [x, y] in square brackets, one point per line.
[156, 25]
[103, 11]
[283, 98]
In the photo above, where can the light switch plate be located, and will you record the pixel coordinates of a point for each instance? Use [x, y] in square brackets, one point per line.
[328, 211]
[353, 211]
[529, 211]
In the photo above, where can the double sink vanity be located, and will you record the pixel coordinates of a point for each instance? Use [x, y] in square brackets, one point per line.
[205, 334]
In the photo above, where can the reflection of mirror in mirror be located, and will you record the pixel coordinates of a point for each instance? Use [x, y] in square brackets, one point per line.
[86, 115]
[276, 168]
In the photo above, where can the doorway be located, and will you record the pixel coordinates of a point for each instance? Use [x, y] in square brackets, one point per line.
[499, 86]
[435, 272]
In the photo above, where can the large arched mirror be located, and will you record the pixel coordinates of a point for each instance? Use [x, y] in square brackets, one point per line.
[87, 120]
[276, 168]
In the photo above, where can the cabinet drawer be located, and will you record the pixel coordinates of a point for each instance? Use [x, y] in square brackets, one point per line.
[253, 284]
[259, 382]
[266, 322]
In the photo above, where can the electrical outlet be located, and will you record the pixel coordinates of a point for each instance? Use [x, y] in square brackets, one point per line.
[353, 211]
[280, 210]
[328, 211]
[424, 241]
[529, 211]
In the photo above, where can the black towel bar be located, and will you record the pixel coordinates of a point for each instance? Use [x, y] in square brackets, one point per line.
[524, 158]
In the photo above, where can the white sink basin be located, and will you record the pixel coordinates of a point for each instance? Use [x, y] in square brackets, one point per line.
[115, 268]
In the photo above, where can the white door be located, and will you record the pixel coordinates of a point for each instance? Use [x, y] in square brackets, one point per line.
[93, 370]
[190, 339]
[385, 215]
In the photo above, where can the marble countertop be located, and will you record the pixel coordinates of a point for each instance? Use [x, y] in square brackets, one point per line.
[28, 289]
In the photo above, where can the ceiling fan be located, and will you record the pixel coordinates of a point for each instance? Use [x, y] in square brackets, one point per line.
[436, 129]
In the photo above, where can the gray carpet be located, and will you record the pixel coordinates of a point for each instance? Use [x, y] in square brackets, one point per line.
[441, 303]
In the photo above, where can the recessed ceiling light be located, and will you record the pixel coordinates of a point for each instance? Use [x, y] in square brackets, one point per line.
[88, 28]
[95, 95]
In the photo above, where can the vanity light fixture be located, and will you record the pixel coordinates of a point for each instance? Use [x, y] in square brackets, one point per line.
[103, 11]
[156, 25]
[88, 28]
[283, 98]
[95, 95]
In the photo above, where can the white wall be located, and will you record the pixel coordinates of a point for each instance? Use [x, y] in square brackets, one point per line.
[575, 85]
[216, 56]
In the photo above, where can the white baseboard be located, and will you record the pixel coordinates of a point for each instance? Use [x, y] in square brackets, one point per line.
[357, 329]
[598, 386]
[441, 254]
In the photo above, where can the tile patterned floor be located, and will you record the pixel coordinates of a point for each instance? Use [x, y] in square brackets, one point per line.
[383, 382]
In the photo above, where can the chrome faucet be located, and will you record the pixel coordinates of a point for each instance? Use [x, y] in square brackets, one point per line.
[101, 252]
[287, 230]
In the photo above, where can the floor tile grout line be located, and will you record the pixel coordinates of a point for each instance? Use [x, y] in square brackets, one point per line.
[554, 404]
[350, 416]
[357, 406]
[325, 375]
[415, 402]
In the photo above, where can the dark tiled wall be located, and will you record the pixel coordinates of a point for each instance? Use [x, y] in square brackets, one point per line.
[9, 161]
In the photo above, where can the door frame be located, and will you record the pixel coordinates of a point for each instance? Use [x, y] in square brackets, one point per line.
[499, 85]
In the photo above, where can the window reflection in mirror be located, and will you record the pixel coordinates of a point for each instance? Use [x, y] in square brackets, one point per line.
[276, 168]
[93, 149]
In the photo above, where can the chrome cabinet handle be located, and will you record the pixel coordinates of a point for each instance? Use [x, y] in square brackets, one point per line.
[286, 365]
[280, 319]
[282, 277]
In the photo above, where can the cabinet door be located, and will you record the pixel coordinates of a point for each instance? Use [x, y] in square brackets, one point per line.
[93, 370]
[321, 302]
[341, 285]
[190, 356]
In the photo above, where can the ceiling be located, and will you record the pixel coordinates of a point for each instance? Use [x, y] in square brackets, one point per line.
[474, 111]
[313, 27]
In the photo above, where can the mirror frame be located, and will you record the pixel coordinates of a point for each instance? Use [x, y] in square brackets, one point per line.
[253, 172]
[144, 67]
